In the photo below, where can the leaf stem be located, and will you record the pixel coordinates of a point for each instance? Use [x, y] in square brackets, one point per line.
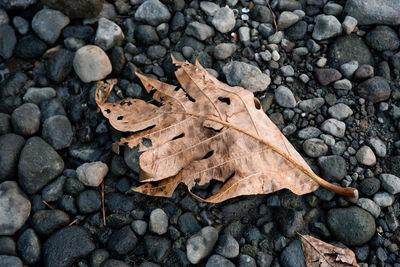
[352, 193]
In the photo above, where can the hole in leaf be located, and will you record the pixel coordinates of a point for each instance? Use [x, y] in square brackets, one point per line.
[190, 98]
[209, 154]
[108, 111]
[178, 136]
[257, 103]
[225, 100]
[119, 118]
[125, 103]
[147, 142]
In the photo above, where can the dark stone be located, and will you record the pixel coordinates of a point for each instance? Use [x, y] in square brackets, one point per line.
[122, 241]
[370, 186]
[394, 165]
[89, 201]
[7, 41]
[5, 123]
[369, 12]
[67, 245]
[118, 202]
[51, 108]
[28, 246]
[46, 222]
[84, 33]
[219, 261]
[188, 223]
[333, 167]
[114, 263]
[290, 222]
[29, 46]
[11, 145]
[297, 31]
[292, 255]
[78, 8]
[7, 246]
[156, 52]
[39, 163]
[59, 65]
[327, 76]
[98, 257]
[375, 89]
[382, 38]
[158, 248]
[261, 14]
[25, 119]
[57, 131]
[347, 48]
[353, 226]
[73, 187]
[118, 60]
[146, 35]
[67, 203]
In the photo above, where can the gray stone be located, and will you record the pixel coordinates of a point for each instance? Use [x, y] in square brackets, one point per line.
[38, 164]
[309, 105]
[333, 167]
[57, 131]
[246, 261]
[224, 50]
[48, 24]
[8, 40]
[248, 76]
[375, 89]
[309, 132]
[326, 26]
[219, 261]
[13, 261]
[368, 12]
[67, 245]
[340, 111]
[200, 245]
[108, 34]
[369, 206]
[244, 34]
[287, 19]
[343, 84]
[152, 12]
[261, 13]
[14, 208]
[224, 20]
[349, 24]
[26, 119]
[92, 174]
[17, 4]
[158, 222]
[200, 31]
[227, 246]
[292, 255]
[349, 68]
[378, 146]
[334, 127]
[38, 95]
[382, 38]
[353, 226]
[209, 8]
[287, 70]
[383, 199]
[28, 246]
[91, 63]
[390, 182]
[3, 17]
[284, 97]
[315, 147]
[139, 226]
[348, 48]
[366, 156]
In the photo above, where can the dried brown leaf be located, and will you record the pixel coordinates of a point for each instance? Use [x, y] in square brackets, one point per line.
[320, 254]
[207, 130]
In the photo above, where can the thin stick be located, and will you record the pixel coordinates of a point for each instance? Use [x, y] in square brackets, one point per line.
[73, 222]
[273, 16]
[349, 192]
[48, 205]
[102, 203]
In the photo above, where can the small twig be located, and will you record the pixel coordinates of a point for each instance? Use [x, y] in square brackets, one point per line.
[48, 205]
[102, 203]
[73, 222]
[273, 16]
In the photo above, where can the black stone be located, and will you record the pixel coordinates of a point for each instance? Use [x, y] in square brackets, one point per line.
[7, 246]
[188, 223]
[261, 14]
[11, 145]
[67, 245]
[118, 60]
[28, 246]
[370, 186]
[5, 123]
[59, 65]
[158, 248]
[118, 202]
[7, 41]
[46, 222]
[29, 46]
[290, 222]
[114, 263]
[10, 261]
[89, 201]
[146, 35]
[122, 241]
[25, 119]
[39, 163]
[50, 108]
[375, 89]
[57, 131]
[84, 33]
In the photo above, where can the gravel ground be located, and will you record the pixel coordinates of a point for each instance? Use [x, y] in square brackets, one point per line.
[329, 78]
